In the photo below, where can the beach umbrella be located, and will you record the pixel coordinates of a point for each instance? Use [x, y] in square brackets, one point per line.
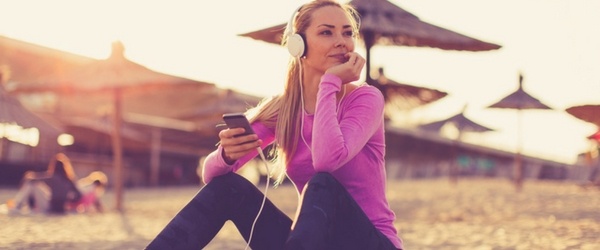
[519, 100]
[17, 121]
[117, 74]
[405, 96]
[589, 113]
[462, 124]
[384, 23]
[459, 121]
[225, 101]
[13, 112]
[114, 75]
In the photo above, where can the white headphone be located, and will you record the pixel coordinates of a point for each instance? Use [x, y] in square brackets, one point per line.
[295, 41]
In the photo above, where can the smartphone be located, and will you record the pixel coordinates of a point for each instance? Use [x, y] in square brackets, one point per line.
[238, 120]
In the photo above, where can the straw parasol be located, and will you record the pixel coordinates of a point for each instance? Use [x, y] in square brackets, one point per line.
[462, 124]
[589, 113]
[15, 117]
[519, 100]
[13, 112]
[459, 121]
[384, 23]
[405, 96]
[114, 75]
[226, 101]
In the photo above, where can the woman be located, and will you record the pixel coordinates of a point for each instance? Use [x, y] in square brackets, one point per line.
[329, 135]
[49, 192]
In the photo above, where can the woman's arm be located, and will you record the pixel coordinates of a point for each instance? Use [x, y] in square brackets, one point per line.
[336, 142]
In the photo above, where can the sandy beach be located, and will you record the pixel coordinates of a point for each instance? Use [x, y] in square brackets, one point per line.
[481, 214]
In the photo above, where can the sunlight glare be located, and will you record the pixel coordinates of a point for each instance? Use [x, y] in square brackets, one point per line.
[65, 140]
[16, 133]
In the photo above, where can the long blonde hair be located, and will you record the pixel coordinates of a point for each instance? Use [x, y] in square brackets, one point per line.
[61, 164]
[288, 105]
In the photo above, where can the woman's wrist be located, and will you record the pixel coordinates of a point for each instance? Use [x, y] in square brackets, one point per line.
[227, 160]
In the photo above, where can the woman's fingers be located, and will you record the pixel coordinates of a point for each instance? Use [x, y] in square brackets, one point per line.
[236, 147]
[350, 70]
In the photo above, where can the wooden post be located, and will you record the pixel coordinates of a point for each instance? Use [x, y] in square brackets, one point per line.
[2, 148]
[155, 156]
[518, 169]
[118, 151]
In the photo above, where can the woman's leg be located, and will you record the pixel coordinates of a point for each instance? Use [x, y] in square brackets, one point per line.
[330, 219]
[36, 190]
[227, 197]
[42, 196]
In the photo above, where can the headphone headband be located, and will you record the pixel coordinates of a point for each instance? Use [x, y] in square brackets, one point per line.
[295, 42]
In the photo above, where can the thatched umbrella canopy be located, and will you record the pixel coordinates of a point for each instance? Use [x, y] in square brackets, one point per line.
[589, 113]
[459, 121]
[462, 124]
[384, 23]
[16, 120]
[404, 96]
[13, 112]
[519, 100]
[117, 74]
[114, 75]
[225, 101]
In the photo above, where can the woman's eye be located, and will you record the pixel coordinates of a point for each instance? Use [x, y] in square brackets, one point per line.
[326, 32]
[349, 33]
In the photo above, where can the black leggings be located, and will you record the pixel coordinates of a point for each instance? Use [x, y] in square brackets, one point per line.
[329, 218]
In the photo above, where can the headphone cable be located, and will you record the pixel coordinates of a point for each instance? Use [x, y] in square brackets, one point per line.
[262, 205]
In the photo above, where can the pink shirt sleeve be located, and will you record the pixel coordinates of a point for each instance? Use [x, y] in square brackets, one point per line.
[335, 142]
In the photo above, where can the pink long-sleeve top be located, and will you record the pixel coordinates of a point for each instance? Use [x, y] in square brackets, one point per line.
[349, 143]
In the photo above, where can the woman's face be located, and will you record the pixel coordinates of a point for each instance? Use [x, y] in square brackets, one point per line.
[329, 37]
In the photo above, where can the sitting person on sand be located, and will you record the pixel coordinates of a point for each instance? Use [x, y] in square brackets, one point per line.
[92, 188]
[47, 192]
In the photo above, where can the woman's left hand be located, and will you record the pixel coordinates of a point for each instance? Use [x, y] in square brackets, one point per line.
[350, 70]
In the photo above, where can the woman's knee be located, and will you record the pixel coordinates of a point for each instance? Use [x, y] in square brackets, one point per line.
[323, 179]
[230, 182]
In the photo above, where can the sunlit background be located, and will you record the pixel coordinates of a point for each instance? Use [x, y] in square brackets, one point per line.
[554, 44]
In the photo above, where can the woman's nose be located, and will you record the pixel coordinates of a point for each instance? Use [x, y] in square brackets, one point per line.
[340, 41]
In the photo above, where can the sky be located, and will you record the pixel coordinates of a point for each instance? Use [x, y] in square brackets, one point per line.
[555, 44]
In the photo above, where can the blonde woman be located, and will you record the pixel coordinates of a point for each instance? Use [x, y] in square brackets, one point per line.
[329, 134]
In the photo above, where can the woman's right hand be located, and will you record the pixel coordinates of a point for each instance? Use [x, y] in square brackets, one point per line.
[350, 70]
[235, 148]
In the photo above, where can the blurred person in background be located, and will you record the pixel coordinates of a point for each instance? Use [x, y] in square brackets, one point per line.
[47, 192]
[92, 188]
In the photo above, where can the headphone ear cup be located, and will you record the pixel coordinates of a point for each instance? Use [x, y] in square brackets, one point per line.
[295, 45]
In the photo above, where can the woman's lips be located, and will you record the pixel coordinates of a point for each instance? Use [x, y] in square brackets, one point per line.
[340, 57]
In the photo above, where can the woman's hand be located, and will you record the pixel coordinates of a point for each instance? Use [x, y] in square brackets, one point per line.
[236, 147]
[350, 70]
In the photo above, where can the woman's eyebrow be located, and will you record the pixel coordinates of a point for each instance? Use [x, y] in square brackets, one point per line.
[333, 26]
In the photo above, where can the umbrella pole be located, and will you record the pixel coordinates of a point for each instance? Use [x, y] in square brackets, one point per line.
[518, 169]
[155, 157]
[453, 171]
[369, 39]
[1, 148]
[454, 166]
[118, 151]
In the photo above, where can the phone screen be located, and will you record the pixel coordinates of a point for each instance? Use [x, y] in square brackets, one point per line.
[238, 120]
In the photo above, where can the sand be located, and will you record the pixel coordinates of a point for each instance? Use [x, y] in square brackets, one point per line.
[476, 214]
